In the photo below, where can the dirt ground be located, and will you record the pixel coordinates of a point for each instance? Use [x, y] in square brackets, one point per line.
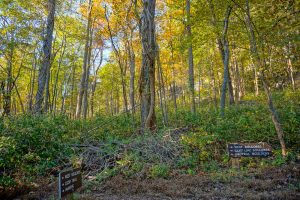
[272, 183]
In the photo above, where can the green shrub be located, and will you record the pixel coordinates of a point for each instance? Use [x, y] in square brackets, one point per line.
[210, 166]
[159, 170]
[201, 143]
[33, 144]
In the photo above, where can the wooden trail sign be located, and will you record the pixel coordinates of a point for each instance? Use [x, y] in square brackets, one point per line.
[237, 150]
[68, 181]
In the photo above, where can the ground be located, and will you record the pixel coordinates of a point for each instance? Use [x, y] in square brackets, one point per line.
[268, 183]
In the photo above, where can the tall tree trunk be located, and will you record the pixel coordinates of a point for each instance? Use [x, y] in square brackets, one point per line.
[7, 89]
[132, 76]
[212, 76]
[85, 64]
[255, 80]
[19, 97]
[162, 90]
[230, 86]
[260, 65]
[86, 84]
[238, 84]
[72, 102]
[54, 97]
[147, 76]
[46, 63]
[200, 82]
[32, 81]
[243, 89]
[191, 59]
[290, 66]
[225, 47]
[47, 92]
[173, 77]
[95, 78]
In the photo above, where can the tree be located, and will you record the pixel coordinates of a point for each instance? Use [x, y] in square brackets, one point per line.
[260, 65]
[44, 70]
[85, 67]
[191, 57]
[147, 76]
[224, 48]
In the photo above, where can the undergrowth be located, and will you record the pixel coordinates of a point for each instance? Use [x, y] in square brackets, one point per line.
[32, 146]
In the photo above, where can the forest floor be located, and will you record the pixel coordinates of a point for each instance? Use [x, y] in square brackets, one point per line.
[269, 183]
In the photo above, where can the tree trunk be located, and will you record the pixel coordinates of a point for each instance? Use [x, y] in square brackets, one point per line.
[94, 83]
[7, 89]
[238, 84]
[200, 82]
[225, 55]
[223, 46]
[191, 59]
[147, 76]
[230, 86]
[47, 92]
[258, 62]
[132, 75]
[46, 63]
[212, 76]
[54, 98]
[290, 66]
[85, 64]
[173, 77]
[32, 81]
[86, 84]
[72, 102]
[162, 90]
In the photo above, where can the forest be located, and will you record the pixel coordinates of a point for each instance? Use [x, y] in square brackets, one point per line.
[145, 96]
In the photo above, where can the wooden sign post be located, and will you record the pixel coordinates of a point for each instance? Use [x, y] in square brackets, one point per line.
[68, 181]
[238, 150]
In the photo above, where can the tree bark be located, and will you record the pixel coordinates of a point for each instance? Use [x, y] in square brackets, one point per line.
[7, 88]
[173, 77]
[46, 63]
[85, 64]
[238, 84]
[213, 80]
[94, 83]
[147, 76]
[225, 55]
[54, 97]
[32, 81]
[230, 86]
[132, 76]
[162, 90]
[191, 59]
[290, 66]
[86, 84]
[223, 46]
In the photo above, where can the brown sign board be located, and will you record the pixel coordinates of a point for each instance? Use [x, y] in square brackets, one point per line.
[68, 181]
[237, 150]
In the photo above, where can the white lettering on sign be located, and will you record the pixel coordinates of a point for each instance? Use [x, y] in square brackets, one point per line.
[75, 173]
[67, 176]
[68, 182]
[71, 187]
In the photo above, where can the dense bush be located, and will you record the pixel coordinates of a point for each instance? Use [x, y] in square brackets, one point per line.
[249, 122]
[31, 145]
